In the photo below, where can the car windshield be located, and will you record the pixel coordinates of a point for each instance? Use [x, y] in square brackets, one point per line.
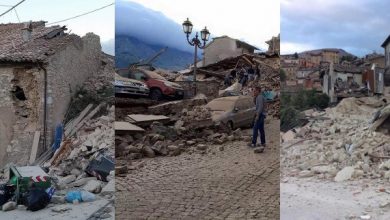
[221, 105]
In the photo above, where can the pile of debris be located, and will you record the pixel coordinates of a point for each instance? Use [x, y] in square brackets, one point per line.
[349, 141]
[104, 78]
[157, 135]
[83, 165]
[162, 140]
[79, 167]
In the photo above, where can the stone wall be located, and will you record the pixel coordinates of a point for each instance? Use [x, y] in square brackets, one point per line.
[220, 49]
[21, 106]
[21, 116]
[208, 88]
[67, 70]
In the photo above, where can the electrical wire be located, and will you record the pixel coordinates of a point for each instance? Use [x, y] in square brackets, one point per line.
[77, 16]
[12, 8]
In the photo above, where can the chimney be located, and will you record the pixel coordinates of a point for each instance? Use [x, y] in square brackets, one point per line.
[27, 31]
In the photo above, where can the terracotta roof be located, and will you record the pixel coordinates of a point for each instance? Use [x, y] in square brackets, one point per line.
[44, 41]
[347, 69]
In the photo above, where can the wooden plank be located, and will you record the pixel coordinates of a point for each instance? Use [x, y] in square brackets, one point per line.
[34, 148]
[89, 116]
[247, 60]
[77, 120]
[60, 150]
[69, 124]
[379, 121]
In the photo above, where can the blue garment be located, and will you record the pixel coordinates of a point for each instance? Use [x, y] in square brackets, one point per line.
[58, 137]
[258, 127]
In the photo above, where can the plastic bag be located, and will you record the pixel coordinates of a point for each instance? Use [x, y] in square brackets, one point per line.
[72, 196]
[81, 196]
[87, 196]
[37, 199]
[6, 193]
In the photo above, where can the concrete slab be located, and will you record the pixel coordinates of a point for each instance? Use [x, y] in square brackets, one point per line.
[126, 126]
[147, 118]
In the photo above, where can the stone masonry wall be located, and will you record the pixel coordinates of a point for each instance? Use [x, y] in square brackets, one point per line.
[21, 106]
[67, 70]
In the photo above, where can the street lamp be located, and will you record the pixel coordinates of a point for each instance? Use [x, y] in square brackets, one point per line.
[204, 34]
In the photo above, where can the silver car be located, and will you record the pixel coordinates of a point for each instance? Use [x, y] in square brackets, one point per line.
[235, 111]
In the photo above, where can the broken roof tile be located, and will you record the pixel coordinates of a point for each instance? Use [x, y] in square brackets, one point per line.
[43, 41]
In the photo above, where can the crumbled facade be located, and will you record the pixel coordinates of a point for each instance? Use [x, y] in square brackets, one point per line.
[274, 45]
[224, 47]
[386, 46]
[40, 69]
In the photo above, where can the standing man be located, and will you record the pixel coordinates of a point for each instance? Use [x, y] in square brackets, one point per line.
[258, 126]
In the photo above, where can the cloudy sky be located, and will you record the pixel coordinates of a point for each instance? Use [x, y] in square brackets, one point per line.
[251, 21]
[358, 26]
[100, 22]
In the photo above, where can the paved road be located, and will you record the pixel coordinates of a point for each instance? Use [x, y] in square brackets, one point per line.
[230, 184]
[309, 198]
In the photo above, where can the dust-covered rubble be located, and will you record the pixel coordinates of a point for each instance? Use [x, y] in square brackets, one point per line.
[340, 144]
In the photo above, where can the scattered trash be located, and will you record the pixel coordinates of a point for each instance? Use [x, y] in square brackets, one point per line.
[80, 196]
[37, 199]
[6, 192]
[100, 167]
[11, 205]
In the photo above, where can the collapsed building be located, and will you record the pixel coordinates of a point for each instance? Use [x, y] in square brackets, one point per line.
[187, 126]
[41, 67]
[345, 142]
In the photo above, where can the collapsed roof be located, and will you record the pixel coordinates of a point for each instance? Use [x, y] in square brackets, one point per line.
[32, 41]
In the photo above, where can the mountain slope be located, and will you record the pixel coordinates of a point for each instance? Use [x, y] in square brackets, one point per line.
[341, 52]
[131, 50]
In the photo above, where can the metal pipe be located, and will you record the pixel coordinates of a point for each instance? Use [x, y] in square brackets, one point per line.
[44, 107]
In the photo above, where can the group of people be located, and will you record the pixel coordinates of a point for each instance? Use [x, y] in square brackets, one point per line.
[243, 74]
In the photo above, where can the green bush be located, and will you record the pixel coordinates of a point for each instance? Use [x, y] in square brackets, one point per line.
[292, 105]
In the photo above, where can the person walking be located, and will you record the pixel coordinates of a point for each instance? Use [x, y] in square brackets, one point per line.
[258, 125]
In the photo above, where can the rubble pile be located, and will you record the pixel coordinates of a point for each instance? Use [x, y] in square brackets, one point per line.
[340, 143]
[79, 166]
[198, 113]
[104, 78]
[176, 107]
[193, 131]
[93, 139]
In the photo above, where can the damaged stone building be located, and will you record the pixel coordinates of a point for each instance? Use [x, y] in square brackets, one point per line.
[41, 67]
[224, 47]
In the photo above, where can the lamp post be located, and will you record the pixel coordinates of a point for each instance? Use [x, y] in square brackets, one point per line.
[204, 35]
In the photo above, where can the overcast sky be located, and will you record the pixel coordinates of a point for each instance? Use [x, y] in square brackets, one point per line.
[100, 22]
[358, 26]
[248, 20]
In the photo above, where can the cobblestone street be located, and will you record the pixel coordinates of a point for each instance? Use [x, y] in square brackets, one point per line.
[234, 183]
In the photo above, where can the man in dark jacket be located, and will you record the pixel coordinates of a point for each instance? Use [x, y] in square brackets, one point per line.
[258, 126]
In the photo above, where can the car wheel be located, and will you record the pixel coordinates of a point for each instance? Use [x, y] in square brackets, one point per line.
[155, 94]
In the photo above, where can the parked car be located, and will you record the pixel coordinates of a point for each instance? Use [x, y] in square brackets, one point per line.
[159, 86]
[235, 111]
[130, 86]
